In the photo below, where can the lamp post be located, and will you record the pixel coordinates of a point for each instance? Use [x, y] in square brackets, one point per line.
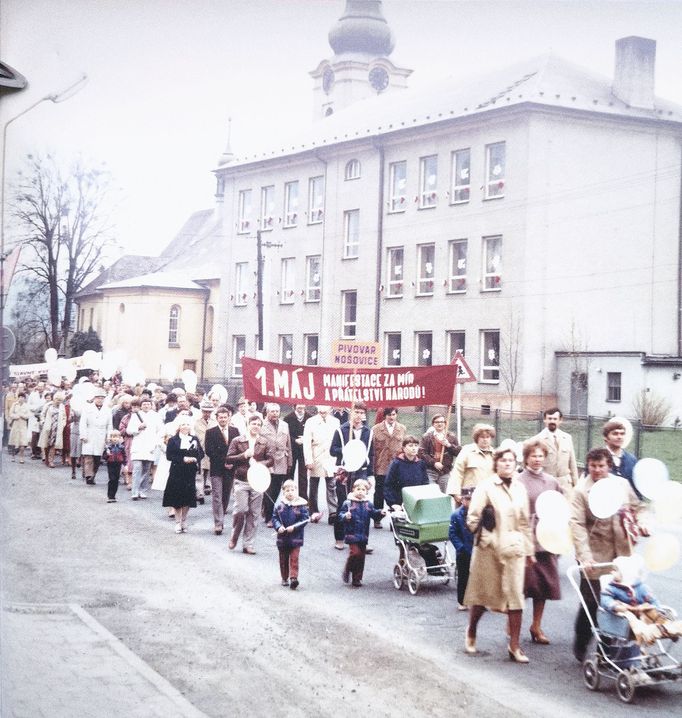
[260, 261]
[56, 98]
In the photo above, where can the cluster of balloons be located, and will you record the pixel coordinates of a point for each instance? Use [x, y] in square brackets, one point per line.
[552, 529]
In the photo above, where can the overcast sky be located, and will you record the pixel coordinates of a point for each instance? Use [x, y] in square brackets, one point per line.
[164, 76]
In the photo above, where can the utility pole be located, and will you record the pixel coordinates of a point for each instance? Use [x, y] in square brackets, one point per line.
[260, 261]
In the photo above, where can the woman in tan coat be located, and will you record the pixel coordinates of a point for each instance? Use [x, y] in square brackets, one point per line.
[500, 553]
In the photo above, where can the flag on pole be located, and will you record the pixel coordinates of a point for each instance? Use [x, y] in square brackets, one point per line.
[9, 264]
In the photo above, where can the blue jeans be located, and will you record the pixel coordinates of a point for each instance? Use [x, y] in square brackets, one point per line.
[141, 469]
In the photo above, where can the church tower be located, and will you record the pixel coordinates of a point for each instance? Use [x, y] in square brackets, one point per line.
[362, 42]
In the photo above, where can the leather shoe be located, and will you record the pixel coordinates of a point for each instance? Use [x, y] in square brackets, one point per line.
[249, 550]
[469, 643]
[231, 545]
[217, 531]
[539, 637]
[518, 655]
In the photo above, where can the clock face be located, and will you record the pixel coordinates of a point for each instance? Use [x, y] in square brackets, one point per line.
[327, 80]
[378, 79]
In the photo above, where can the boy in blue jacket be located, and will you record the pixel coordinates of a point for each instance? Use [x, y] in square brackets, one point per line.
[289, 518]
[357, 512]
[463, 541]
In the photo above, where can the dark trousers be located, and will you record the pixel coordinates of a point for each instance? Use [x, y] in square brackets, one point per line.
[288, 562]
[276, 481]
[463, 561]
[312, 494]
[35, 450]
[114, 471]
[355, 563]
[379, 491]
[590, 591]
[298, 469]
[221, 488]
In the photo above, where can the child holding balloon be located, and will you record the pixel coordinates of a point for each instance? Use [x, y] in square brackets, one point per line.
[289, 518]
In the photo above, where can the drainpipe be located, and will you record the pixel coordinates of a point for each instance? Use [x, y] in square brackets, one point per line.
[203, 334]
[679, 275]
[380, 244]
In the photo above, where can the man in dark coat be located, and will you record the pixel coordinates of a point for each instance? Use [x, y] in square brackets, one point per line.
[217, 441]
[296, 420]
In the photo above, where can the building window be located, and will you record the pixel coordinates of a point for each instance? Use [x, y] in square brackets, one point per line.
[495, 170]
[286, 349]
[240, 283]
[122, 308]
[352, 170]
[425, 269]
[490, 356]
[220, 186]
[455, 342]
[492, 263]
[424, 348]
[244, 212]
[393, 346]
[395, 272]
[457, 281]
[313, 278]
[461, 176]
[398, 186]
[315, 200]
[311, 345]
[210, 322]
[349, 313]
[238, 351]
[174, 326]
[351, 233]
[428, 181]
[92, 318]
[190, 364]
[613, 385]
[287, 284]
[291, 204]
[267, 208]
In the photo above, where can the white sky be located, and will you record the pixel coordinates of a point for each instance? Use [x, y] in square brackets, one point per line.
[166, 74]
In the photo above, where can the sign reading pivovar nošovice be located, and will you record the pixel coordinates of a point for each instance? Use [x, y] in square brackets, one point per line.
[356, 355]
[391, 386]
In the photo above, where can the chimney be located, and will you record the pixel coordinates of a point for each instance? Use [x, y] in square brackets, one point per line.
[633, 82]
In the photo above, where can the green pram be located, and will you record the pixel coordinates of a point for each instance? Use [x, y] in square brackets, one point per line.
[418, 529]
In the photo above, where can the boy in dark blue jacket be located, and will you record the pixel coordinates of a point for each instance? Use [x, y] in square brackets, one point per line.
[356, 513]
[289, 518]
[463, 541]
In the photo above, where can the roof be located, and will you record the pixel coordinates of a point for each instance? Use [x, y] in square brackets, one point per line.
[546, 80]
[193, 250]
[160, 280]
[127, 266]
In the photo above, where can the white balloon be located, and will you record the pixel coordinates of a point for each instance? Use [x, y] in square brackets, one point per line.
[107, 368]
[552, 506]
[88, 391]
[629, 431]
[63, 364]
[220, 391]
[258, 477]
[168, 372]
[668, 502]
[554, 537]
[649, 476]
[50, 355]
[662, 551]
[54, 376]
[70, 372]
[90, 359]
[189, 379]
[354, 455]
[606, 497]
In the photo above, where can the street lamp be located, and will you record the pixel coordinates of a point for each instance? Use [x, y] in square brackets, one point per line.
[56, 98]
[260, 261]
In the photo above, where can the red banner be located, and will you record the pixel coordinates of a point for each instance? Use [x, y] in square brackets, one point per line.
[391, 386]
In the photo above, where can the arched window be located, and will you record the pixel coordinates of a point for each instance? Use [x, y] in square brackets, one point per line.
[210, 318]
[174, 326]
[352, 170]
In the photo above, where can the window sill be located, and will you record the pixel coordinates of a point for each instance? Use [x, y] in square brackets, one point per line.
[317, 221]
[423, 294]
[357, 256]
[489, 381]
[492, 289]
[613, 401]
[497, 196]
[459, 201]
[311, 301]
[287, 303]
[402, 210]
[394, 296]
[456, 291]
[427, 206]
[173, 345]
[289, 226]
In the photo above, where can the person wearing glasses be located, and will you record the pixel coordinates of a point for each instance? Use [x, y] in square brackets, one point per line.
[438, 448]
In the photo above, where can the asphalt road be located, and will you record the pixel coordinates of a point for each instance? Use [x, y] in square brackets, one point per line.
[218, 626]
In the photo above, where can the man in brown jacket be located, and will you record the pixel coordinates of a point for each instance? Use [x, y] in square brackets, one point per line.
[387, 437]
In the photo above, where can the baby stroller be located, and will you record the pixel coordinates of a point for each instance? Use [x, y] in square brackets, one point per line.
[617, 654]
[417, 530]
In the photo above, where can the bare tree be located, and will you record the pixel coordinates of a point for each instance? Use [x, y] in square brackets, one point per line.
[30, 320]
[63, 216]
[510, 357]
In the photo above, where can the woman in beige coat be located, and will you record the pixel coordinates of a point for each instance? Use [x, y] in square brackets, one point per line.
[500, 554]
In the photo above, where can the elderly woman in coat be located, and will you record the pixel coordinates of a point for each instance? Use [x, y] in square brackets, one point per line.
[501, 552]
[51, 437]
[19, 416]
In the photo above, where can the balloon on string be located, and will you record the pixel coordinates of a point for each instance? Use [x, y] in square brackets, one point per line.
[189, 379]
[54, 376]
[662, 551]
[354, 455]
[86, 391]
[168, 372]
[90, 359]
[107, 368]
[258, 477]
[668, 503]
[152, 387]
[220, 391]
[63, 365]
[649, 476]
[553, 507]
[606, 497]
[50, 355]
[70, 372]
[133, 374]
[511, 445]
[554, 537]
[629, 431]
